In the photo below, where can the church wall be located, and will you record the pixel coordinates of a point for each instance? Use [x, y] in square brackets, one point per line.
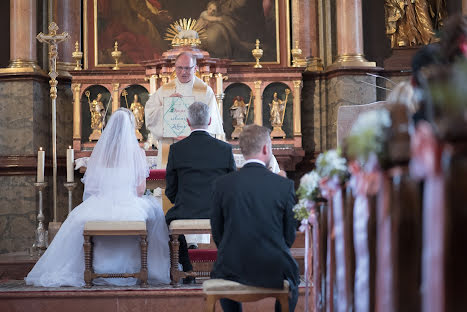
[25, 125]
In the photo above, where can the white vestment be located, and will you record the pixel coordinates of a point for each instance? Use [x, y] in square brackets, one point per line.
[197, 88]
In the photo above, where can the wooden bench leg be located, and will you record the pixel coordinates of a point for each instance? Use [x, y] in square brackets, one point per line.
[143, 275]
[284, 301]
[210, 303]
[87, 245]
[174, 258]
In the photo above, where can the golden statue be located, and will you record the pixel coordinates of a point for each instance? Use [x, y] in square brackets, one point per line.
[408, 22]
[97, 111]
[277, 114]
[138, 111]
[239, 112]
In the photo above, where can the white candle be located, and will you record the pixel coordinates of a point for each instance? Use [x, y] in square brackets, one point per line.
[40, 165]
[219, 84]
[70, 159]
[152, 84]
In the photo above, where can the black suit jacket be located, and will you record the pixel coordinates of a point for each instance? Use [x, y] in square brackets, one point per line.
[253, 227]
[193, 165]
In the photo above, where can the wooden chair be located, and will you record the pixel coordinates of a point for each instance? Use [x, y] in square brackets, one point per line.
[113, 228]
[177, 228]
[219, 288]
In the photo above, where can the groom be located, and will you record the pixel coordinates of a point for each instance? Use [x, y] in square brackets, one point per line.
[193, 164]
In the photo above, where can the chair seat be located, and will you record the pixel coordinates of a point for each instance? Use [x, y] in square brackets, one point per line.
[115, 228]
[220, 286]
[190, 224]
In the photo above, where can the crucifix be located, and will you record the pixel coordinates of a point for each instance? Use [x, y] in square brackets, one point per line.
[52, 39]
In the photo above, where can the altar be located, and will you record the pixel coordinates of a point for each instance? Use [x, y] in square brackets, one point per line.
[269, 95]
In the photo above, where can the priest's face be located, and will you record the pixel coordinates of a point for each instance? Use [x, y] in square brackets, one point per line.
[185, 68]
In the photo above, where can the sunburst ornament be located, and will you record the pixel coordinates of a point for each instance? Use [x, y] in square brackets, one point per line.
[185, 32]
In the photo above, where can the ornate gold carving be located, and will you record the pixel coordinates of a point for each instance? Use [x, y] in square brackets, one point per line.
[185, 32]
[296, 54]
[408, 23]
[314, 64]
[76, 87]
[277, 113]
[19, 63]
[257, 54]
[138, 111]
[206, 77]
[97, 110]
[116, 56]
[77, 56]
[115, 97]
[353, 60]
[297, 124]
[239, 112]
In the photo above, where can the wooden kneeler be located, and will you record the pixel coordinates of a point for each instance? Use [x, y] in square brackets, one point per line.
[219, 288]
[177, 228]
[114, 228]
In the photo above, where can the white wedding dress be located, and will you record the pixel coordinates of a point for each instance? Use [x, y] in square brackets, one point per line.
[114, 172]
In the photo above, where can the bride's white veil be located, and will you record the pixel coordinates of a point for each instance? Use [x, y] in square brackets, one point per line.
[117, 164]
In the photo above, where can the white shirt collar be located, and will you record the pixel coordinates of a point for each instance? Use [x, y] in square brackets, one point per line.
[195, 130]
[253, 160]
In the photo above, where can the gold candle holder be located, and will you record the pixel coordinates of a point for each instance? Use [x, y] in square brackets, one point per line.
[41, 243]
[77, 56]
[257, 54]
[296, 54]
[116, 55]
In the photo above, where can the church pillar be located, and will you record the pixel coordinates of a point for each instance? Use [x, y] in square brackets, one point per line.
[350, 34]
[464, 7]
[258, 103]
[305, 30]
[23, 33]
[67, 15]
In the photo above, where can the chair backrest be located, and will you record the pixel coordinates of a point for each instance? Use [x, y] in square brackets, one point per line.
[348, 114]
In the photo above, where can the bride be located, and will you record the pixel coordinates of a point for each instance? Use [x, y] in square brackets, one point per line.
[114, 183]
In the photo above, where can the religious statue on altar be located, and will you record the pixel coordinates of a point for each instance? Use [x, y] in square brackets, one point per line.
[239, 112]
[97, 110]
[138, 110]
[277, 113]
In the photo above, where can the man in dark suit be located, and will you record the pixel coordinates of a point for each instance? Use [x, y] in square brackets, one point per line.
[252, 222]
[193, 165]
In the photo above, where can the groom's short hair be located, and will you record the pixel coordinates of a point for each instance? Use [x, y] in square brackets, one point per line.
[198, 114]
[253, 138]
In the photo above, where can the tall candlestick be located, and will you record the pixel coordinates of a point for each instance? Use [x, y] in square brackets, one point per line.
[70, 159]
[40, 165]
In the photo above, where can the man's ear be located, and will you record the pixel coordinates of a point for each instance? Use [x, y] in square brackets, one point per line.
[208, 122]
[265, 149]
[188, 122]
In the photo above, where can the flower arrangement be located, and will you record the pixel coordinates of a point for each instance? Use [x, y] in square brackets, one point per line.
[329, 165]
[367, 135]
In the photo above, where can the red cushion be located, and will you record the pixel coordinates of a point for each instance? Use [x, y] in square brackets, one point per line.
[200, 255]
[156, 174]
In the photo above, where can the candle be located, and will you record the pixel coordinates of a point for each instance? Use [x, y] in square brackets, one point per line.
[70, 159]
[152, 84]
[40, 165]
[219, 84]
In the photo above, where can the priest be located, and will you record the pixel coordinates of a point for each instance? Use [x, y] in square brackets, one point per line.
[185, 84]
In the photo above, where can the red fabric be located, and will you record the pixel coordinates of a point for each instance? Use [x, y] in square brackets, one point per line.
[156, 174]
[202, 254]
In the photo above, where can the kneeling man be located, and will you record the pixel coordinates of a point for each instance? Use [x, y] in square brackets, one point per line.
[253, 224]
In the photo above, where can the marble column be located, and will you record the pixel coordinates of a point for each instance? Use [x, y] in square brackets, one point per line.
[464, 7]
[350, 34]
[305, 31]
[258, 103]
[23, 31]
[67, 15]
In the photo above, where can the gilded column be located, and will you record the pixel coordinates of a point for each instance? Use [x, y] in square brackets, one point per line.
[23, 33]
[305, 31]
[297, 125]
[76, 87]
[258, 103]
[67, 15]
[350, 34]
[115, 96]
